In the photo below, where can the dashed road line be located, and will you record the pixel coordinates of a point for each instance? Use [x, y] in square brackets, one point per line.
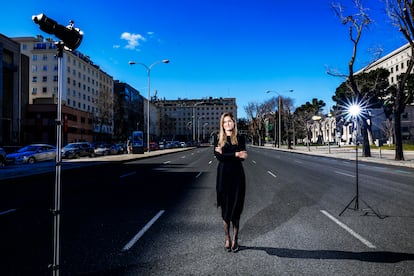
[142, 231]
[198, 175]
[346, 174]
[127, 174]
[349, 230]
[8, 211]
[272, 174]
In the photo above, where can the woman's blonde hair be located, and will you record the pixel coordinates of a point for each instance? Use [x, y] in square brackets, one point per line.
[222, 135]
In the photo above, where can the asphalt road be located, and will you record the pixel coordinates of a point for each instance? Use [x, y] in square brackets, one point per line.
[157, 216]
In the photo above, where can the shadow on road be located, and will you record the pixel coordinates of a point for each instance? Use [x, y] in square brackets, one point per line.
[375, 256]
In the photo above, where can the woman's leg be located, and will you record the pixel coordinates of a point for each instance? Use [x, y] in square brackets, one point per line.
[227, 234]
[235, 244]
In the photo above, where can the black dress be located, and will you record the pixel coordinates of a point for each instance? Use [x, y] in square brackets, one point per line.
[231, 183]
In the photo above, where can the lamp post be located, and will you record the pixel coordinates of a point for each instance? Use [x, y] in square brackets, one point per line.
[148, 68]
[194, 119]
[280, 117]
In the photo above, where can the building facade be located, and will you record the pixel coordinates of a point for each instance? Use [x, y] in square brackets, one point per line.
[85, 86]
[192, 119]
[13, 91]
[396, 63]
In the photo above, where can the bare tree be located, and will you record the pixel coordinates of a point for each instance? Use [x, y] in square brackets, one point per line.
[401, 13]
[356, 24]
[104, 114]
[257, 115]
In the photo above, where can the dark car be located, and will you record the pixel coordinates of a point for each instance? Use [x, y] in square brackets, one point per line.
[2, 157]
[76, 150]
[31, 154]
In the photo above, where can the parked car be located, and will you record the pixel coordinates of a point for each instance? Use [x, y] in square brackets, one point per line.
[153, 146]
[2, 157]
[31, 154]
[102, 149]
[76, 150]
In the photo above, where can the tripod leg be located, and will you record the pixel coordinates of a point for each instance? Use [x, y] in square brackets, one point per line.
[347, 206]
[376, 213]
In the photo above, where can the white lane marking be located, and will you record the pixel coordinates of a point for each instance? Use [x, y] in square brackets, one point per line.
[346, 174]
[127, 174]
[7, 211]
[254, 162]
[199, 174]
[142, 231]
[272, 174]
[183, 156]
[349, 230]
[210, 162]
[297, 161]
[166, 162]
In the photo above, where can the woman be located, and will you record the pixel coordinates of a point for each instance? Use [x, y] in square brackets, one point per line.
[230, 151]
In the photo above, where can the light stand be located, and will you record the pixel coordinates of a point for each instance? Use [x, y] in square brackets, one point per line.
[70, 38]
[355, 199]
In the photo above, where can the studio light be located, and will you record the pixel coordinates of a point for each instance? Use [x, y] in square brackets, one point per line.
[70, 36]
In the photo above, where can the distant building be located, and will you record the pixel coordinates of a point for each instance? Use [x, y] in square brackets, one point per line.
[396, 63]
[13, 91]
[86, 87]
[128, 111]
[192, 119]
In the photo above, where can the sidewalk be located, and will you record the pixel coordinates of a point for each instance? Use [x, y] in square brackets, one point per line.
[381, 155]
[21, 170]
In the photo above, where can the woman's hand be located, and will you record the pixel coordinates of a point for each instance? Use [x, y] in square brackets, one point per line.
[241, 154]
[218, 149]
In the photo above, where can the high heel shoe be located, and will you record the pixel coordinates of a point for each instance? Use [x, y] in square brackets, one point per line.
[227, 246]
[235, 246]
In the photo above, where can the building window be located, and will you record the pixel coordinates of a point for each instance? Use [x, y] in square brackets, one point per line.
[44, 79]
[44, 57]
[44, 67]
[34, 57]
[34, 79]
[44, 89]
[34, 91]
[396, 68]
[34, 68]
[55, 78]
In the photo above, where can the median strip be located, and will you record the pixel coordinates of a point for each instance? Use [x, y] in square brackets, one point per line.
[142, 231]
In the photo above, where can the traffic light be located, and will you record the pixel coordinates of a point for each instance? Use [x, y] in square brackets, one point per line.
[71, 37]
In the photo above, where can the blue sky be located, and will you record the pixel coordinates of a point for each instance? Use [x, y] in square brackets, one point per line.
[217, 48]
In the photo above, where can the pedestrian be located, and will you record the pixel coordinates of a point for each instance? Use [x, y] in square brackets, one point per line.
[230, 151]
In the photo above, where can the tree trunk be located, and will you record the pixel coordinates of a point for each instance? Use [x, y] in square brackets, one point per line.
[366, 149]
[399, 153]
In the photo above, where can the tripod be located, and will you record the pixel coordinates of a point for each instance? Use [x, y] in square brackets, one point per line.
[355, 200]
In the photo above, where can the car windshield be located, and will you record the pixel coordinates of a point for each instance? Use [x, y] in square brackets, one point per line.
[28, 148]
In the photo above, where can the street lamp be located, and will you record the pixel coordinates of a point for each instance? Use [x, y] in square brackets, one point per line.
[280, 119]
[148, 68]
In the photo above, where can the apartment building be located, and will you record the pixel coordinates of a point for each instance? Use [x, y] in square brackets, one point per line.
[192, 119]
[86, 87]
